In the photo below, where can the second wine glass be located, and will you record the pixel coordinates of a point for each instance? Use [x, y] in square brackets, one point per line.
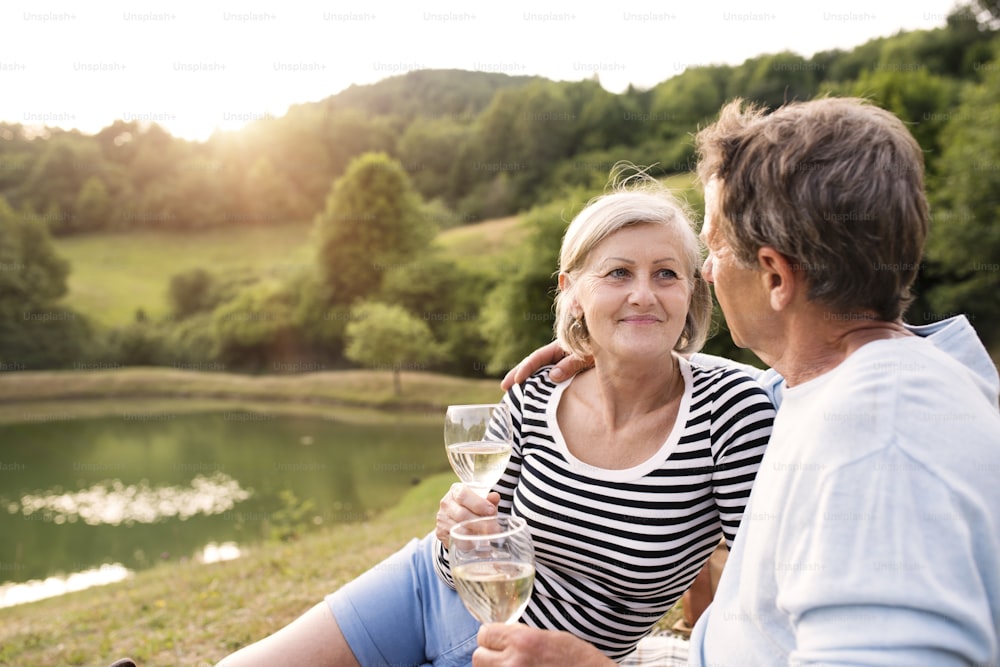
[493, 564]
[479, 439]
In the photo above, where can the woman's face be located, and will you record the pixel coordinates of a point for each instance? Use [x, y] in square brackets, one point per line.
[634, 292]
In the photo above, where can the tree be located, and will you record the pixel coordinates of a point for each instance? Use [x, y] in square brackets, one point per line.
[965, 239]
[774, 79]
[448, 297]
[31, 273]
[191, 292]
[429, 148]
[922, 100]
[521, 135]
[58, 175]
[93, 206]
[35, 332]
[682, 102]
[372, 222]
[518, 315]
[385, 336]
[255, 327]
[605, 120]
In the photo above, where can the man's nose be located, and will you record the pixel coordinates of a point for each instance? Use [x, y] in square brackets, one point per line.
[706, 270]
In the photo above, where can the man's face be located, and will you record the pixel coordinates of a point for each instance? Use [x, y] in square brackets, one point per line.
[738, 289]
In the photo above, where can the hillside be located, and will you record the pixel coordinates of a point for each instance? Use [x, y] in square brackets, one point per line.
[433, 93]
[115, 274]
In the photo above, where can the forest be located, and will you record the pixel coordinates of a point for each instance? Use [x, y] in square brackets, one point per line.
[380, 171]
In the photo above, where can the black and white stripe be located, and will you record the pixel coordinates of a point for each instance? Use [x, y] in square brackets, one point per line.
[616, 549]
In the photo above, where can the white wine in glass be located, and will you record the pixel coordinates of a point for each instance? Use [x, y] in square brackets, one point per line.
[493, 564]
[478, 439]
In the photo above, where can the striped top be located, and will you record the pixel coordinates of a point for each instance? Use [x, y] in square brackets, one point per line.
[615, 549]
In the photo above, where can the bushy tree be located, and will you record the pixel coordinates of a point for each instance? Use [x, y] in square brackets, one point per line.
[518, 314]
[65, 162]
[684, 101]
[386, 337]
[93, 209]
[965, 236]
[254, 328]
[429, 149]
[521, 135]
[372, 222]
[448, 298]
[33, 274]
[36, 331]
[191, 292]
[922, 100]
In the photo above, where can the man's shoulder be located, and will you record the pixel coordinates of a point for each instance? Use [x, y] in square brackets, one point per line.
[916, 364]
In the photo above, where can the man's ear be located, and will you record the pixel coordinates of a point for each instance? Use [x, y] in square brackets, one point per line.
[779, 275]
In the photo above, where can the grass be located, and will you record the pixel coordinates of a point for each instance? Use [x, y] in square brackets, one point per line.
[354, 388]
[474, 245]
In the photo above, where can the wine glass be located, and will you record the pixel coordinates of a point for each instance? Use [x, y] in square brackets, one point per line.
[479, 439]
[493, 564]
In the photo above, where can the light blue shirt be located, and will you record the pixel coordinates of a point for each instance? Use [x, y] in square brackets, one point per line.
[872, 534]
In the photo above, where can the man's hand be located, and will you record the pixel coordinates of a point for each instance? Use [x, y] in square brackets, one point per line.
[566, 366]
[517, 645]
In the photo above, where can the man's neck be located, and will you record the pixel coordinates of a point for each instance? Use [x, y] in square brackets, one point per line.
[813, 346]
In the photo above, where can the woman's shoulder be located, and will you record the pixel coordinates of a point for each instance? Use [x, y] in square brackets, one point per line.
[726, 381]
[536, 387]
[712, 373]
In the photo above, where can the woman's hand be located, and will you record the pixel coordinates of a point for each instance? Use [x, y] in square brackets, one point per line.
[461, 504]
[566, 366]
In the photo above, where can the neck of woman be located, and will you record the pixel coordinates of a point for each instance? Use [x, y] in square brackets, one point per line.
[625, 391]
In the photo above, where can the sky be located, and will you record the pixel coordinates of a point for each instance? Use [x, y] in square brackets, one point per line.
[197, 67]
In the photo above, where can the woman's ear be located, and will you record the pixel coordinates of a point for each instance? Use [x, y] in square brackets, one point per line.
[566, 287]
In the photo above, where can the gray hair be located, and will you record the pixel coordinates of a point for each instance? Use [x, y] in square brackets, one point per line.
[834, 184]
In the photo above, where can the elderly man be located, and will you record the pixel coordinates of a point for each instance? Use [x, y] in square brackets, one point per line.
[872, 534]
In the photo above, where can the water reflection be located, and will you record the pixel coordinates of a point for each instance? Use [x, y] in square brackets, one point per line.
[78, 494]
[36, 589]
[215, 553]
[113, 503]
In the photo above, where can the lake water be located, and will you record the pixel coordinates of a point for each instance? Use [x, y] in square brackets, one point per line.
[105, 496]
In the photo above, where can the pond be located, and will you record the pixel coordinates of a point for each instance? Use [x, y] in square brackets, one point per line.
[89, 500]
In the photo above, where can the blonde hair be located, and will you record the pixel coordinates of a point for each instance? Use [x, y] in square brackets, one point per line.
[636, 200]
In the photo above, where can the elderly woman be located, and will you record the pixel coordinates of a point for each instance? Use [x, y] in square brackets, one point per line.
[628, 475]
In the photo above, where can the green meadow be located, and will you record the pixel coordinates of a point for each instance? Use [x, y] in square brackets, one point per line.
[115, 274]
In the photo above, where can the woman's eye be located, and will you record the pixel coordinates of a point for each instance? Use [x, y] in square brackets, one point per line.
[618, 273]
[667, 274]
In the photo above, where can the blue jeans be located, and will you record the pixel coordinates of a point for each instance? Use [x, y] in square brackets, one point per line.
[400, 614]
